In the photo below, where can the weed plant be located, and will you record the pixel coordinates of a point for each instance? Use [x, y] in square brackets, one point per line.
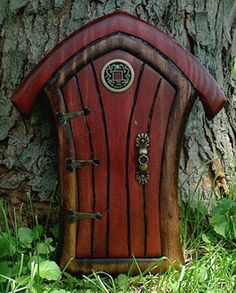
[208, 235]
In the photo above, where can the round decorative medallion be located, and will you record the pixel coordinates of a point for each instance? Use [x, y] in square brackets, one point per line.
[117, 75]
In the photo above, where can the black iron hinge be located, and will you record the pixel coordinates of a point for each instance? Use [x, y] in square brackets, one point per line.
[74, 216]
[63, 118]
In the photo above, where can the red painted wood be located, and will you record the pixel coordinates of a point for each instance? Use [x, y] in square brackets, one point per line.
[132, 220]
[117, 108]
[97, 131]
[157, 133]
[138, 199]
[210, 93]
[83, 152]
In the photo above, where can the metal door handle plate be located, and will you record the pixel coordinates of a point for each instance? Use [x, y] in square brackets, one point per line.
[142, 143]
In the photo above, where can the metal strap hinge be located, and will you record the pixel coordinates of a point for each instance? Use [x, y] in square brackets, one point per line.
[63, 118]
[77, 164]
[74, 216]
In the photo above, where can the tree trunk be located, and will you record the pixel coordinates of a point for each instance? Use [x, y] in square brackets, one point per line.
[30, 29]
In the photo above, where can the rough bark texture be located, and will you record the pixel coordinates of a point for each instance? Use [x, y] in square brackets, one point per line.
[30, 29]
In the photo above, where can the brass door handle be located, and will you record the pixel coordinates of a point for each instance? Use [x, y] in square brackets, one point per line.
[142, 143]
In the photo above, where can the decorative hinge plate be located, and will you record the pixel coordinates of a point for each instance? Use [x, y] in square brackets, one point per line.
[142, 143]
[74, 216]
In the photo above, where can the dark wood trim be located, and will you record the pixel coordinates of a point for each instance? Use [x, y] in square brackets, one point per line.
[154, 265]
[169, 206]
[68, 180]
[146, 53]
[115, 260]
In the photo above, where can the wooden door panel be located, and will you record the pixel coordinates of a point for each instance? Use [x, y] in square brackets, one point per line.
[157, 133]
[131, 223]
[137, 198]
[73, 101]
[117, 109]
[108, 133]
[98, 133]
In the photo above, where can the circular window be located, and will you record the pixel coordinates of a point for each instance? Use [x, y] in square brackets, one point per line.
[117, 75]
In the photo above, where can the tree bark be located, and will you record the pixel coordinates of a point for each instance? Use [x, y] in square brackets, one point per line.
[30, 29]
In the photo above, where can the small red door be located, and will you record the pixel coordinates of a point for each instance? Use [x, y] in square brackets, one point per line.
[121, 91]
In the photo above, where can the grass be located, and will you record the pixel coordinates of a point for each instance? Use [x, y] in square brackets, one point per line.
[208, 238]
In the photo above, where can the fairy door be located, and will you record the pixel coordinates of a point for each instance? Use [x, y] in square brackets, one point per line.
[118, 144]
[120, 106]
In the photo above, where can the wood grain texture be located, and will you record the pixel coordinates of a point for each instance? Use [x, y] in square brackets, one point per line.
[97, 129]
[73, 101]
[68, 180]
[117, 109]
[211, 95]
[140, 221]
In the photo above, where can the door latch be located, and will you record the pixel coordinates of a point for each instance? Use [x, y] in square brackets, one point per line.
[74, 216]
[142, 143]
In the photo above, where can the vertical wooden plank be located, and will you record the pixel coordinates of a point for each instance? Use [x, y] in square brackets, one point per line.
[68, 180]
[138, 222]
[96, 126]
[117, 109]
[84, 175]
[169, 211]
[157, 124]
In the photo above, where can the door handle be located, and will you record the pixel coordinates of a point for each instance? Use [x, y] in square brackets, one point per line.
[142, 143]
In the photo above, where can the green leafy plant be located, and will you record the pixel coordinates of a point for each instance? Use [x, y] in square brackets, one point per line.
[49, 270]
[25, 254]
[223, 219]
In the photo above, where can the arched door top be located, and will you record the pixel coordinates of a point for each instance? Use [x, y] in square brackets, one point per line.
[119, 22]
